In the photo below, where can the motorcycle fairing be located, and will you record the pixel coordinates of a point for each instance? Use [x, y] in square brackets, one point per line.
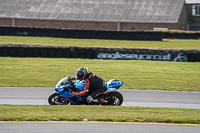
[77, 100]
[114, 83]
[79, 85]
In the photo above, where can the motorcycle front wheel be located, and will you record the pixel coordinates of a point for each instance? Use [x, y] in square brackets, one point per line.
[55, 99]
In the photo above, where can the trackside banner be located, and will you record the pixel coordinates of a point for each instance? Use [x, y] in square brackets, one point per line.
[164, 56]
[100, 53]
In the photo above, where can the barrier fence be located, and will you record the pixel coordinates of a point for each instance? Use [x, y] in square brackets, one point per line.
[95, 34]
[99, 53]
[169, 35]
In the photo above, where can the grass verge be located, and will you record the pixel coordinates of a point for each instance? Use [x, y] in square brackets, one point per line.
[150, 75]
[98, 113]
[64, 42]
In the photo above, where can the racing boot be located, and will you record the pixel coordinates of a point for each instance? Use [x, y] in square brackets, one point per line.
[101, 101]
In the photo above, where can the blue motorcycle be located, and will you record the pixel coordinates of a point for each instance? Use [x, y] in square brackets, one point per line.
[62, 94]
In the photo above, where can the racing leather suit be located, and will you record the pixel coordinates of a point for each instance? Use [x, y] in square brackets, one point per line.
[93, 86]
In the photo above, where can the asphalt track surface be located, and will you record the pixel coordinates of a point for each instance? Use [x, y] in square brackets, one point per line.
[93, 127]
[142, 98]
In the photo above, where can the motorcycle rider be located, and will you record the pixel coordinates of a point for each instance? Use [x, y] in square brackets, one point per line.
[94, 85]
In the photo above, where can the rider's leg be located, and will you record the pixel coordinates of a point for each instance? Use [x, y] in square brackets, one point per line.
[94, 94]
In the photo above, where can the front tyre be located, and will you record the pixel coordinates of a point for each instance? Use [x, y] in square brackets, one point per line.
[55, 99]
[114, 98]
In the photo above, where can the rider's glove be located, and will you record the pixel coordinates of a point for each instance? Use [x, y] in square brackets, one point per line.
[69, 79]
[73, 94]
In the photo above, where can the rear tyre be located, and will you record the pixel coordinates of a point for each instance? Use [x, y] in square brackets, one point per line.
[114, 98]
[55, 99]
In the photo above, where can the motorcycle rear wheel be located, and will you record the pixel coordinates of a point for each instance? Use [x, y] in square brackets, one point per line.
[55, 99]
[114, 98]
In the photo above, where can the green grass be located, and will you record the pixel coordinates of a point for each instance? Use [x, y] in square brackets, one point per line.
[98, 113]
[151, 75]
[183, 76]
[55, 42]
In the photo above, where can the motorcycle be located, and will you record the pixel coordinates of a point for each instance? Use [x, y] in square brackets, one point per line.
[64, 88]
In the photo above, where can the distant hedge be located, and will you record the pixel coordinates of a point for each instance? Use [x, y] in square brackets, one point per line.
[82, 34]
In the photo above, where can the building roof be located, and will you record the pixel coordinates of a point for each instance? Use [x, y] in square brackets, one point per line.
[137, 11]
[192, 1]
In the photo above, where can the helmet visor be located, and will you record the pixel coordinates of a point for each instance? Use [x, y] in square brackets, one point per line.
[79, 75]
